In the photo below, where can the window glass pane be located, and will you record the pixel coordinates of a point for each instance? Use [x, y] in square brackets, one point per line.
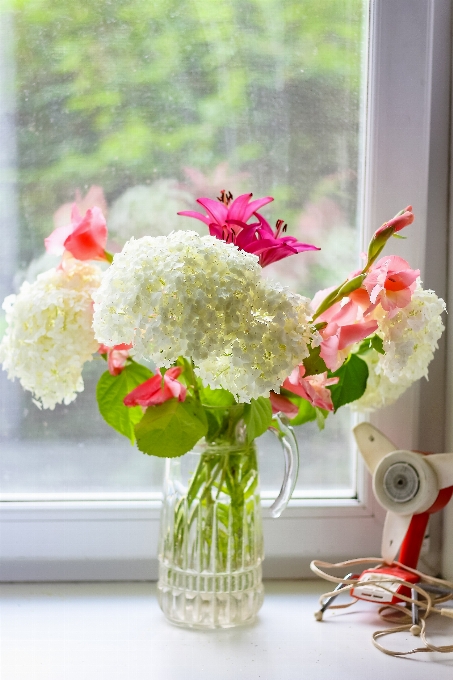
[157, 103]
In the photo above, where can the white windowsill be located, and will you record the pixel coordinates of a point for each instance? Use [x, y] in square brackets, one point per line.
[115, 631]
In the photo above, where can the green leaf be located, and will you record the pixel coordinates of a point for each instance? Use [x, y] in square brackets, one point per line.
[215, 422]
[352, 384]
[216, 404]
[172, 428]
[257, 417]
[307, 412]
[314, 364]
[110, 392]
[219, 398]
[321, 416]
[375, 342]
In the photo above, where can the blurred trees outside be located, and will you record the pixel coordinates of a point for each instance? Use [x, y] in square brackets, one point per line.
[120, 94]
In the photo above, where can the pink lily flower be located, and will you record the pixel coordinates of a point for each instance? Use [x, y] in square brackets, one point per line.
[85, 238]
[313, 388]
[157, 390]
[229, 223]
[281, 404]
[116, 357]
[391, 283]
[225, 214]
[259, 239]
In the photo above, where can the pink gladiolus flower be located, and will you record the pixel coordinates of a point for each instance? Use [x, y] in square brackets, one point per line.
[346, 325]
[85, 238]
[391, 283]
[313, 388]
[225, 214]
[116, 357]
[336, 347]
[281, 404]
[94, 196]
[398, 222]
[157, 390]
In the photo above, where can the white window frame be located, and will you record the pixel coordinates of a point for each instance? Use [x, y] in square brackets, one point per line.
[407, 152]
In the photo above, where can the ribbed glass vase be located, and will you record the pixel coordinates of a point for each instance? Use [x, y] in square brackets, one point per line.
[211, 542]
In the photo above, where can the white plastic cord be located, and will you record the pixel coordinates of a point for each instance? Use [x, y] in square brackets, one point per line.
[428, 604]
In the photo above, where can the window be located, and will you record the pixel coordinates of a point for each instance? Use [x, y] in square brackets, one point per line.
[275, 90]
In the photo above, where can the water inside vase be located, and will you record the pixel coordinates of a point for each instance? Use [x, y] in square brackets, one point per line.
[211, 542]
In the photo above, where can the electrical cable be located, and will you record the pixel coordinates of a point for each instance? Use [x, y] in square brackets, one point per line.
[427, 605]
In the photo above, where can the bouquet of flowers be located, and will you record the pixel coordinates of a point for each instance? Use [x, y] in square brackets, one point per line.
[200, 346]
[212, 331]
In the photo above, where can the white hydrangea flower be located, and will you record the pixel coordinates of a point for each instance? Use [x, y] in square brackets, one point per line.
[380, 390]
[150, 210]
[49, 335]
[409, 339]
[202, 298]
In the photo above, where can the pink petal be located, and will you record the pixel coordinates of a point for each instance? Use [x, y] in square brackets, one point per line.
[275, 254]
[331, 381]
[297, 245]
[355, 332]
[402, 221]
[347, 314]
[375, 292]
[116, 360]
[256, 205]
[401, 279]
[216, 231]
[75, 214]
[174, 372]
[174, 387]
[318, 394]
[263, 226]
[295, 374]
[54, 243]
[395, 299]
[218, 210]
[177, 389]
[298, 388]
[143, 394]
[256, 246]
[95, 196]
[237, 209]
[329, 330]
[395, 263]
[246, 238]
[281, 404]
[319, 297]
[361, 298]
[329, 352]
[196, 215]
[89, 237]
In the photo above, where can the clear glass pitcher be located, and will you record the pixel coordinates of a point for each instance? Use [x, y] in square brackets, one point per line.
[211, 539]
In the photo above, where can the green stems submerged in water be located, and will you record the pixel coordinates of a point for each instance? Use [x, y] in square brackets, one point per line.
[214, 519]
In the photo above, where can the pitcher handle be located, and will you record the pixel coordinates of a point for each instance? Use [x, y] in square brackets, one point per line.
[291, 453]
